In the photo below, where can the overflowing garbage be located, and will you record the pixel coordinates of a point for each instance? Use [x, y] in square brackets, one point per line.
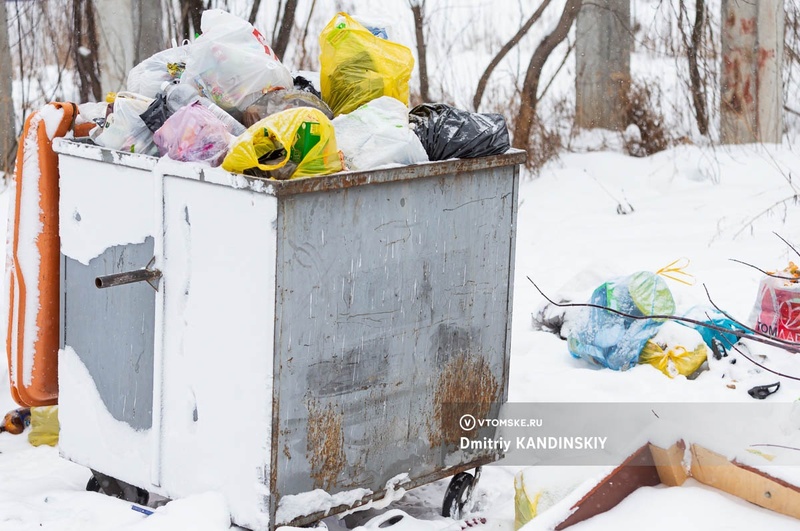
[227, 100]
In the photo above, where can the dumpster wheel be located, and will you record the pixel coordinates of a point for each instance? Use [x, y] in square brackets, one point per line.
[117, 489]
[459, 494]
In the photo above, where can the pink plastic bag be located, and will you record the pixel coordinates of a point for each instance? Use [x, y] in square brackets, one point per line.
[776, 311]
[193, 134]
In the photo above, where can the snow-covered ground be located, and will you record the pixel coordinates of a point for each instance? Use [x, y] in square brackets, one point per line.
[705, 205]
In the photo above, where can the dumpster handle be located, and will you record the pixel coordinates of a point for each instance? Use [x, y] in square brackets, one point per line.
[151, 276]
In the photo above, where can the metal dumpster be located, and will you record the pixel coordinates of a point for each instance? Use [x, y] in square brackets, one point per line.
[300, 346]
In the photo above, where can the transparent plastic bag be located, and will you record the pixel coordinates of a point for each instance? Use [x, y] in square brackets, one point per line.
[377, 133]
[147, 77]
[279, 100]
[231, 63]
[124, 129]
[357, 67]
[292, 143]
[193, 134]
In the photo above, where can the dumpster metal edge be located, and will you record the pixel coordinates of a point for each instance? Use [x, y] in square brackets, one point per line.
[337, 181]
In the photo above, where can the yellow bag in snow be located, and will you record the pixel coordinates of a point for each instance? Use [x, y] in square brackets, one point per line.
[673, 360]
[292, 143]
[357, 67]
[44, 426]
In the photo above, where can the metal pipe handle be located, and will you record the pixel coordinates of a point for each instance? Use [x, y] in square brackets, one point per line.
[128, 277]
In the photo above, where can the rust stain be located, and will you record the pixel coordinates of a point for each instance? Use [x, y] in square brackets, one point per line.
[465, 386]
[747, 93]
[748, 26]
[325, 444]
[764, 55]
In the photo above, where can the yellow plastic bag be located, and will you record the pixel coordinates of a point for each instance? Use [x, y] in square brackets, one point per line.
[292, 143]
[525, 504]
[357, 67]
[673, 360]
[44, 426]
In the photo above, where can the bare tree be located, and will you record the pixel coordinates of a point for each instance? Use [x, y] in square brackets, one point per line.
[148, 29]
[281, 41]
[85, 50]
[693, 47]
[484, 80]
[530, 87]
[418, 10]
[191, 14]
[303, 61]
[8, 130]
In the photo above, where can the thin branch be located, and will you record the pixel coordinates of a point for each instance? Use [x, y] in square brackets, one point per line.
[787, 243]
[773, 275]
[774, 446]
[754, 362]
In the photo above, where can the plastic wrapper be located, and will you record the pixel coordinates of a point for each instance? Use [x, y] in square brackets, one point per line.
[675, 350]
[450, 133]
[292, 143]
[124, 129]
[281, 99]
[193, 134]
[377, 133]
[147, 77]
[156, 114]
[357, 67]
[611, 340]
[231, 63]
[44, 426]
[776, 311]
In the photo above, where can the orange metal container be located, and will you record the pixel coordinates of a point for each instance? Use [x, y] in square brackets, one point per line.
[33, 362]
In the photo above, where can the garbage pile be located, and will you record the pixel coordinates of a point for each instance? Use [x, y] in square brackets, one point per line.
[227, 100]
[638, 331]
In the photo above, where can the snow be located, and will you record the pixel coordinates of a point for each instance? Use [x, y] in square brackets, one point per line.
[590, 216]
[570, 237]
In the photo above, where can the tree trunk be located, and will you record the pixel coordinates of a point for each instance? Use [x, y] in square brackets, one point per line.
[603, 72]
[285, 31]
[692, 51]
[149, 30]
[530, 87]
[191, 16]
[85, 50]
[484, 80]
[254, 11]
[8, 130]
[751, 104]
[417, 9]
[115, 26]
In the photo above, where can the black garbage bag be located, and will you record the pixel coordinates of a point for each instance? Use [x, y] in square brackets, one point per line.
[156, 114]
[450, 133]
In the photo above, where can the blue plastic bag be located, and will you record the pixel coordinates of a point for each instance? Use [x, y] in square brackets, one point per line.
[611, 340]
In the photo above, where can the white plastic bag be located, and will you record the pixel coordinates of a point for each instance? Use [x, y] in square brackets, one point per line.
[124, 130]
[231, 63]
[376, 134]
[147, 77]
